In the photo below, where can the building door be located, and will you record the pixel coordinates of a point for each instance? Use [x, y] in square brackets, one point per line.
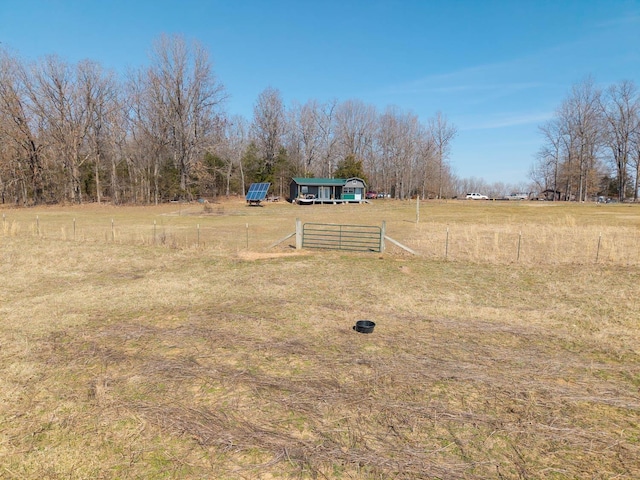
[324, 192]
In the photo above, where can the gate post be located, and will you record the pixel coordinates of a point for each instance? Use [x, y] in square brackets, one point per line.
[383, 232]
[298, 234]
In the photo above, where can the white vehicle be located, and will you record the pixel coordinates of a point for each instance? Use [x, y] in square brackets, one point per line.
[476, 196]
[517, 196]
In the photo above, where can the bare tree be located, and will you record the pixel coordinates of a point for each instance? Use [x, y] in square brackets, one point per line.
[149, 142]
[568, 171]
[186, 96]
[268, 128]
[549, 156]
[569, 158]
[472, 184]
[306, 133]
[18, 126]
[325, 120]
[583, 124]
[427, 153]
[117, 136]
[97, 90]
[72, 131]
[442, 134]
[635, 161]
[232, 148]
[64, 112]
[354, 128]
[398, 147]
[621, 108]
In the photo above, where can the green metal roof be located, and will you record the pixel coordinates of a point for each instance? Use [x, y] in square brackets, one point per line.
[320, 181]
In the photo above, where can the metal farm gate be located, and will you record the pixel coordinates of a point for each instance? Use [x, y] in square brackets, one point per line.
[359, 238]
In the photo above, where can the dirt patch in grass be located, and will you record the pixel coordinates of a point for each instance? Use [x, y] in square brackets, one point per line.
[250, 256]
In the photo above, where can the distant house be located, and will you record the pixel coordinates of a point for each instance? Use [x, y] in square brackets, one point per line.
[306, 191]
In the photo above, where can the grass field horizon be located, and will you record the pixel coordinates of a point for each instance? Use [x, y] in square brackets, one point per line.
[495, 232]
[173, 341]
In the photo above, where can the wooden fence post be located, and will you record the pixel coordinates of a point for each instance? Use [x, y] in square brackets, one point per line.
[446, 245]
[298, 234]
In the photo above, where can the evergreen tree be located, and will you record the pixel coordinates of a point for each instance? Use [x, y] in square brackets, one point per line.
[350, 167]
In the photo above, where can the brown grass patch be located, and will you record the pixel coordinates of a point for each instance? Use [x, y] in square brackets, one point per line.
[133, 360]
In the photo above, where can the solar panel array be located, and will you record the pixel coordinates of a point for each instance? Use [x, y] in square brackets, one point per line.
[257, 192]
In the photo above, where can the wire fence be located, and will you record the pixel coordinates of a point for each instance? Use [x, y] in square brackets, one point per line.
[544, 245]
[175, 236]
[533, 245]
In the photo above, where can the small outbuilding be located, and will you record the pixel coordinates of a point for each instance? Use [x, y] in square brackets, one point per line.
[551, 195]
[306, 191]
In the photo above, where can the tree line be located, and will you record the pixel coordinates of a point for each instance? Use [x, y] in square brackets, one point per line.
[592, 144]
[78, 133]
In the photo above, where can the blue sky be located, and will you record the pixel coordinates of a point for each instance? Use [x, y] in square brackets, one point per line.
[496, 69]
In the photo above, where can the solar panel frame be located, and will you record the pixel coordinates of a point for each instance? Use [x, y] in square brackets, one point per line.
[257, 191]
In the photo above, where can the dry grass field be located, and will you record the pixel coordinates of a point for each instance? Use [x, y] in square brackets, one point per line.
[175, 342]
